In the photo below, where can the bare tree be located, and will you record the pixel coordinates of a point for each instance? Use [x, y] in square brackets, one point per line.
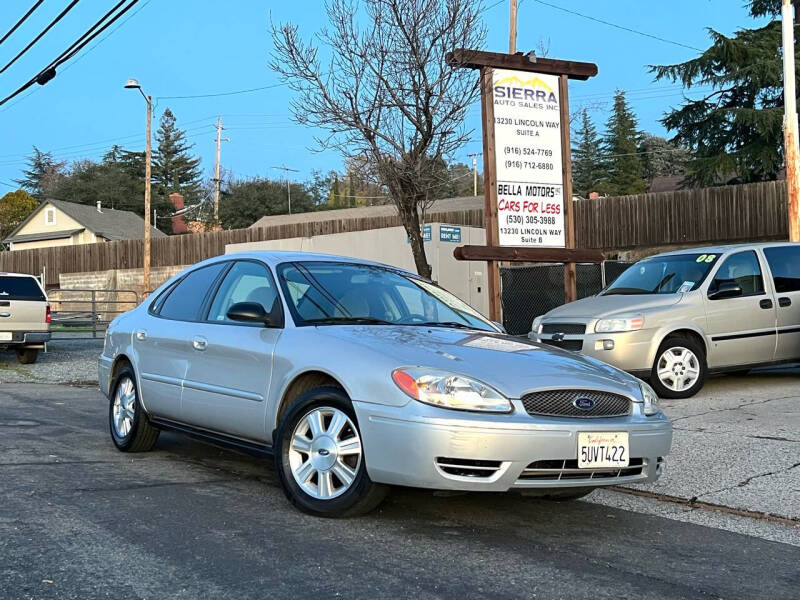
[386, 95]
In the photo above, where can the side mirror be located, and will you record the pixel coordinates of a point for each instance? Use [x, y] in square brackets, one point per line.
[726, 289]
[249, 312]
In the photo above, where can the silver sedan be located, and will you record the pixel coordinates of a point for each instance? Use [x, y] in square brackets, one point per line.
[355, 376]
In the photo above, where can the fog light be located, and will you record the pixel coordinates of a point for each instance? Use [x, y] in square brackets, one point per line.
[604, 345]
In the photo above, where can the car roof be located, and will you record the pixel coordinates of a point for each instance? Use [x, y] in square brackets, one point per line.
[3, 274]
[723, 248]
[276, 257]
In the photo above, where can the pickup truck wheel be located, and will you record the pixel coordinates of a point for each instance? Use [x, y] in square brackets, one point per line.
[679, 370]
[320, 458]
[27, 356]
[130, 429]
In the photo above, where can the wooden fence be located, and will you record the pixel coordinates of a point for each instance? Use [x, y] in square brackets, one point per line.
[698, 216]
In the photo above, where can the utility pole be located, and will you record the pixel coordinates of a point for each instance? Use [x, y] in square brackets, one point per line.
[512, 28]
[790, 143]
[286, 171]
[474, 158]
[216, 169]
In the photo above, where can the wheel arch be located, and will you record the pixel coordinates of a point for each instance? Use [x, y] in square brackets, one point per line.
[685, 330]
[119, 363]
[299, 384]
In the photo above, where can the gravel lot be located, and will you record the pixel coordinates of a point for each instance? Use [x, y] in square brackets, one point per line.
[66, 361]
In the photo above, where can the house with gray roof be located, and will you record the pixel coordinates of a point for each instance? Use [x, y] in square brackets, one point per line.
[60, 223]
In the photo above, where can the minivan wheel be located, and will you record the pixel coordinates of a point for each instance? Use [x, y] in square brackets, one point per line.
[319, 457]
[27, 356]
[130, 429]
[679, 370]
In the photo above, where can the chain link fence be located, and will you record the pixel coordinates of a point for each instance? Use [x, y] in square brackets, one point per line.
[532, 290]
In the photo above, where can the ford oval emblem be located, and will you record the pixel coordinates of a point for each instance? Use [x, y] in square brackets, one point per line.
[583, 403]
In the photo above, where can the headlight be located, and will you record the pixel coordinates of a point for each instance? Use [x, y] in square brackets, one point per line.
[537, 324]
[620, 324]
[450, 390]
[650, 400]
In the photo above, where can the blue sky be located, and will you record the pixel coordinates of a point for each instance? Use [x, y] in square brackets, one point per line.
[192, 47]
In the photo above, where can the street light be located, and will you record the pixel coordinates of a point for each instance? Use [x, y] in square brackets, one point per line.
[133, 84]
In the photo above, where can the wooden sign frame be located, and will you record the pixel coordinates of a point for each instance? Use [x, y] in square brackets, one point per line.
[486, 62]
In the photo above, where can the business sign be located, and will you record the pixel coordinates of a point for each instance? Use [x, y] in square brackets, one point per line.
[527, 134]
[449, 233]
[427, 234]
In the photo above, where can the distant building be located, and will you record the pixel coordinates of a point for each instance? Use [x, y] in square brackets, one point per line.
[59, 223]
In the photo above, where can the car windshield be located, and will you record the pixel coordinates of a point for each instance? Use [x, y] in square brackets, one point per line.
[663, 275]
[337, 293]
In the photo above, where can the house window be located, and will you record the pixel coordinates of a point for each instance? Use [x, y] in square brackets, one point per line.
[50, 216]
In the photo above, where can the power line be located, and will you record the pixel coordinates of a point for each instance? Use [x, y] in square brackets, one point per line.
[21, 21]
[49, 71]
[621, 27]
[41, 35]
[214, 95]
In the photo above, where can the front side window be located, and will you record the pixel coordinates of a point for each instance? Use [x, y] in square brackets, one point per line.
[784, 262]
[742, 269]
[245, 282]
[663, 275]
[327, 293]
[186, 298]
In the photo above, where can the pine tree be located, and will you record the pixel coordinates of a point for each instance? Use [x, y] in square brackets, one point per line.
[661, 158]
[735, 131]
[587, 169]
[174, 168]
[620, 142]
[42, 174]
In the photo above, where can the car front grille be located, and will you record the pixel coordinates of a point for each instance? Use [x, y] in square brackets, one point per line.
[573, 345]
[559, 470]
[565, 328]
[467, 467]
[561, 403]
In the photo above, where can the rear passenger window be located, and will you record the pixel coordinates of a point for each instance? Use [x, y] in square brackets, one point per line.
[20, 288]
[184, 302]
[784, 262]
[741, 268]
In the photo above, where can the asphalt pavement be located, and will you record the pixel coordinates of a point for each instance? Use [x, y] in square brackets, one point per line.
[189, 520]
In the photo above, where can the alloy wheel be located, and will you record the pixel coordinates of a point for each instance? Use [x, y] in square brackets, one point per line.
[325, 453]
[124, 407]
[678, 369]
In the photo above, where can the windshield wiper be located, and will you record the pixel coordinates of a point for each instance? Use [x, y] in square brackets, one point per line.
[347, 321]
[446, 324]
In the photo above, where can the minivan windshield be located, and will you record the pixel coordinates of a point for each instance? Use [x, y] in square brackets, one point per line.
[663, 275]
[341, 293]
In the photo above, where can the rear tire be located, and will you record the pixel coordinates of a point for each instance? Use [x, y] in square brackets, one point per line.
[27, 356]
[679, 370]
[130, 429]
[320, 459]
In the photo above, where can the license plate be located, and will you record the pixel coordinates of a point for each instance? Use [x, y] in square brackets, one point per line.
[5, 336]
[606, 449]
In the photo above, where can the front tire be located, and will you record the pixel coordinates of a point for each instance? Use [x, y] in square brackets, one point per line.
[320, 458]
[130, 429]
[679, 370]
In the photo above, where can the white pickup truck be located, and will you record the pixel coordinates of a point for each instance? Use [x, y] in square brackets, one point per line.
[24, 316]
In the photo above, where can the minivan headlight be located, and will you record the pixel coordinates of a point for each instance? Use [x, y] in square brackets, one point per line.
[450, 390]
[650, 399]
[619, 324]
[537, 324]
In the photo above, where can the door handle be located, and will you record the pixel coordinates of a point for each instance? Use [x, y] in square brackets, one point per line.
[784, 301]
[141, 335]
[199, 344]
[5, 314]
[767, 303]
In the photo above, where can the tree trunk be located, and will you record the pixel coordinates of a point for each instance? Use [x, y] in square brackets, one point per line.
[410, 218]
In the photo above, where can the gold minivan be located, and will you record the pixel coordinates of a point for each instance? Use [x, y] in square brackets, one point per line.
[673, 318]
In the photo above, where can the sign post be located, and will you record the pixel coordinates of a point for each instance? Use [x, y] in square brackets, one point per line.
[526, 157]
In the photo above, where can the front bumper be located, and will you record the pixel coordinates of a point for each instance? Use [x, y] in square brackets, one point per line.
[630, 351]
[412, 446]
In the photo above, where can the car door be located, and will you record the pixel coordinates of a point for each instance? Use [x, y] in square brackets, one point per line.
[228, 375]
[163, 340]
[741, 328]
[784, 265]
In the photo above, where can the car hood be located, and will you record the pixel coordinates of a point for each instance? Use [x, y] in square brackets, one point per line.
[511, 365]
[596, 307]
